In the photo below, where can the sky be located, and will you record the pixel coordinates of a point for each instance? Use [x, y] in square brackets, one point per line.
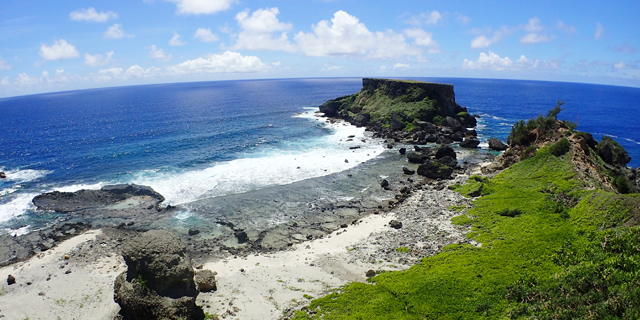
[48, 46]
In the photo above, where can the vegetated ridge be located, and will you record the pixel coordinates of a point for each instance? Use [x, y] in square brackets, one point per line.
[559, 239]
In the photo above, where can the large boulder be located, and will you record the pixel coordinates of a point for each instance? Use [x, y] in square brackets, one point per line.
[395, 123]
[496, 144]
[435, 170]
[206, 281]
[470, 143]
[158, 283]
[416, 157]
[612, 153]
[445, 150]
[452, 123]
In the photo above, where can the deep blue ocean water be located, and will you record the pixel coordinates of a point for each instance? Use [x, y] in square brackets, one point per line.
[191, 141]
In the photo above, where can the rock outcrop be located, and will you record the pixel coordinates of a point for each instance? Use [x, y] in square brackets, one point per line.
[496, 144]
[612, 153]
[90, 199]
[2, 175]
[158, 283]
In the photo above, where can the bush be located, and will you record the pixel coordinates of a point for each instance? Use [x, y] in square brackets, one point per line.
[622, 184]
[561, 147]
[438, 120]
[529, 152]
[524, 133]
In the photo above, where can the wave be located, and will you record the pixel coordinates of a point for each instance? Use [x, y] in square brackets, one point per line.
[292, 161]
[16, 206]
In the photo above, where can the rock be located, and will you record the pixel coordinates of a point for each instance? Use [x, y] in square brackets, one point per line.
[384, 183]
[11, 280]
[206, 281]
[241, 235]
[370, 273]
[452, 123]
[431, 138]
[395, 124]
[68, 271]
[389, 146]
[395, 224]
[470, 143]
[612, 153]
[415, 157]
[3, 175]
[346, 161]
[193, 231]
[445, 150]
[416, 148]
[402, 150]
[158, 283]
[408, 171]
[435, 170]
[496, 144]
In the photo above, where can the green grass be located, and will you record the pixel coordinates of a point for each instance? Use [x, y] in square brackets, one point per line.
[403, 249]
[550, 246]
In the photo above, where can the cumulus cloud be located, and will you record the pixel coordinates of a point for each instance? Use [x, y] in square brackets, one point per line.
[198, 7]
[175, 40]
[620, 65]
[134, 71]
[530, 38]
[428, 18]
[159, 54]
[205, 35]
[599, 31]
[226, 62]
[482, 41]
[494, 62]
[60, 49]
[423, 39]
[258, 31]
[401, 66]
[92, 15]
[97, 59]
[533, 27]
[116, 32]
[4, 65]
[346, 36]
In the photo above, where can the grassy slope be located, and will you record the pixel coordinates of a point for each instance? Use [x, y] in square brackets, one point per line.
[527, 265]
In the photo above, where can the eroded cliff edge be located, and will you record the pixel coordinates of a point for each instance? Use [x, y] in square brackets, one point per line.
[411, 111]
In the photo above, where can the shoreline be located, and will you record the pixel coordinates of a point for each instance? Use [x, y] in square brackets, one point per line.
[257, 285]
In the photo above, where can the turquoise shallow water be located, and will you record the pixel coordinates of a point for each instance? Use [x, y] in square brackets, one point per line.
[195, 141]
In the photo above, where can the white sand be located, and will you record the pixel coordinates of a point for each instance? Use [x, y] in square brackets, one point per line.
[85, 293]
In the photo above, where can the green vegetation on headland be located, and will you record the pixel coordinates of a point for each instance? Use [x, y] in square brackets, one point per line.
[558, 240]
[398, 104]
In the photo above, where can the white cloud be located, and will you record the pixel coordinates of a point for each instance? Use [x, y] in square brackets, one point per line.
[464, 20]
[134, 71]
[258, 29]
[116, 32]
[226, 62]
[483, 41]
[175, 40]
[423, 39]
[530, 38]
[92, 15]
[431, 18]
[45, 74]
[159, 54]
[205, 35]
[97, 59]
[494, 62]
[24, 80]
[599, 31]
[346, 36]
[4, 65]
[620, 65]
[202, 6]
[401, 66]
[533, 25]
[61, 49]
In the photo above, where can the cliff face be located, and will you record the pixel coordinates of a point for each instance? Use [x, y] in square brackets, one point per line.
[404, 110]
[442, 93]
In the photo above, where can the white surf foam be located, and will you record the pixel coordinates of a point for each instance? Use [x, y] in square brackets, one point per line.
[27, 175]
[290, 162]
[16, 206]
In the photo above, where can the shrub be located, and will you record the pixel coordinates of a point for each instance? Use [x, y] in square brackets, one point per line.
[529, 152]
[403, 249]
[438, 120]
[561, 147]
[524, 133]
[622, 184]
[512, 212]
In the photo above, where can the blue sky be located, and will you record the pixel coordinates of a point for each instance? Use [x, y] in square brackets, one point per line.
[63, 45]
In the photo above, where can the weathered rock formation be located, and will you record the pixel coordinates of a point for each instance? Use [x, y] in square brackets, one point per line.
[496, 144]
[158, 283]
[90, 199]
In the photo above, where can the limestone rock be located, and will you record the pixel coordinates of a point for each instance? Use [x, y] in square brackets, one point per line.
[408, 171]
[395, 224]
[158, 283]
[444, 151]
[496, 144]
[612, 153]
[470, 143]
[416, 157]
[206, 281]
[11, 280]
[435, 170]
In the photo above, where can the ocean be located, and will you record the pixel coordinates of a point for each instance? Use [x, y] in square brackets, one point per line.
[225, 146]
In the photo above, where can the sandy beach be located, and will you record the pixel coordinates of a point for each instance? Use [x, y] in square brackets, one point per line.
[75, 279]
